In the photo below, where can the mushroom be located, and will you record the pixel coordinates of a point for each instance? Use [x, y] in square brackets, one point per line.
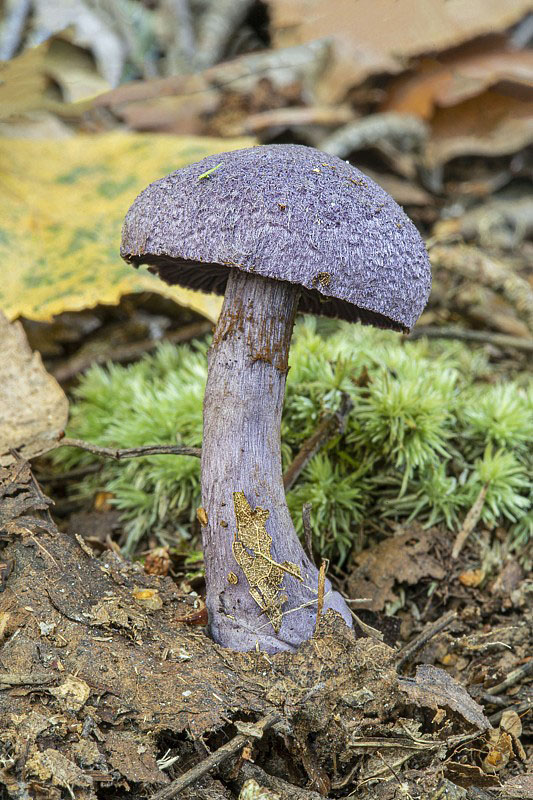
[276, 229]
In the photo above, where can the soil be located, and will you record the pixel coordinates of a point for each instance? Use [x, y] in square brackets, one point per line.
[107, 690]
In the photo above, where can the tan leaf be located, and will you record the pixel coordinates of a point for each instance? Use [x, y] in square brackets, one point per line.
[373, 36]
[33, 407]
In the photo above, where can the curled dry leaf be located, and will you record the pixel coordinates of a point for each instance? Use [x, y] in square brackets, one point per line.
[90, 29]
[33, 407]
[455, 77]
[377, 35]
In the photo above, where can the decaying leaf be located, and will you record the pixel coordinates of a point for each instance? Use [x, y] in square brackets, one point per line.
[33, 407]
[61, 211]
[520, 786]
[434, 688]
[73, 693]
[52, 766]
[251, 548]
[90, 28]
[404, 558]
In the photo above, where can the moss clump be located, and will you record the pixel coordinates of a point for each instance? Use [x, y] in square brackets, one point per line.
[426, 433]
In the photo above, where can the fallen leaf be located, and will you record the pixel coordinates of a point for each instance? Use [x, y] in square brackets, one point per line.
[434, 688]
[23, 83]
[377, 36]
[404, 558]
[491, 124]
[33, 407]
[90, 28]
[133, 757]
[73, 693]
[61, 209]
[452, 78]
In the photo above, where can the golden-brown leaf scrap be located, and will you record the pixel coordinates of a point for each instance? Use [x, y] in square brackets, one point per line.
[252, 553]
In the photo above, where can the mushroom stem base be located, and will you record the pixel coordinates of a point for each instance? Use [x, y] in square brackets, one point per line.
[249, 606]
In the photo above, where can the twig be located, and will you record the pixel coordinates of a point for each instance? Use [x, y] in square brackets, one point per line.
[429, 631]
[331, 426]
[250, 771]
[470, 522]
[216, 758]
[127, 352]
[401, 130]
[514, 677]
[308, 533]
[321, 585]
[25, 679]
[132, 452]
[483, 337]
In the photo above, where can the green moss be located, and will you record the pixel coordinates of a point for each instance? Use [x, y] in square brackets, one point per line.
[426, 433]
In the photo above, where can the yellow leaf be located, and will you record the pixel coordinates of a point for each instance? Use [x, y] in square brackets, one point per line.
[62, 204]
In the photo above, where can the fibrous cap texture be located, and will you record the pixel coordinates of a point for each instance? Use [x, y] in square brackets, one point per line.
[290, 213]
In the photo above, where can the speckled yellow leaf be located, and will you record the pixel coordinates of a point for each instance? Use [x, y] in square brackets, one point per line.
[62, 204]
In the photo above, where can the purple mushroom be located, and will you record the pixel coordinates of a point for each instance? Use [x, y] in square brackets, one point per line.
[276, 229]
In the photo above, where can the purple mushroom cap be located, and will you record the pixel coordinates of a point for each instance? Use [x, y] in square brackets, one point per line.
[290, 213]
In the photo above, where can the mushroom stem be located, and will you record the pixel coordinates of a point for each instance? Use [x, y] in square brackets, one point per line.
[241, 452]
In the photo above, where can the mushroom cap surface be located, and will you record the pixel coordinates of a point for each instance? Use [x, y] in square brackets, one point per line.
[290, 213]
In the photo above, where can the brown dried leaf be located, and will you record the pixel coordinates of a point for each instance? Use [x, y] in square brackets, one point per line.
[73, 693]
[132, 758]
[491, 124]
[52, 766]
[18, 493]
[377, 35]
[404, 558]
[33, 407]
[453, 78]
[434, 688]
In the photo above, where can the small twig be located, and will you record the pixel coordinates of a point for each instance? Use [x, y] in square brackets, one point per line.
[406, 653]
[403, 131]
[308, 533]
[216, 758]
[250, 771]
[321, 585]
[513, 678]
[331, 426]
[25, 679]
[463, 335]
[125, 353]
[470, 522]
[132, 452]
